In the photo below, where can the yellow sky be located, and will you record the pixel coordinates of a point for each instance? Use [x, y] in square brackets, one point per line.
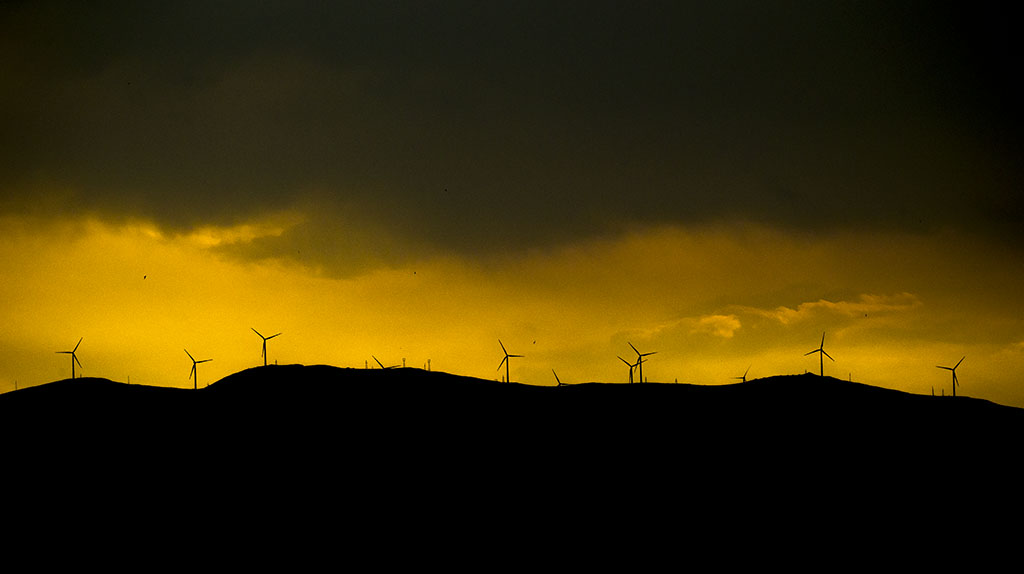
[711, 300]
[717, 183]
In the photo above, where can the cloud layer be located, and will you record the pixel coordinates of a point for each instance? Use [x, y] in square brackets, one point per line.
[473, 127]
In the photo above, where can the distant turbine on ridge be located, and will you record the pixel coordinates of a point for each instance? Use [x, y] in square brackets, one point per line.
[74, 358]
[956, 382]
[194, 375]
[744, 377]
[505, 361]
[640, 360]
[381, 365]
[630, 365]
[821, 354]
[559, 381]
[265, 339]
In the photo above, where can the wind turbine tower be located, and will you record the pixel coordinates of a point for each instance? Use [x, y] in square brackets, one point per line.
[74, 358]
[265, 339]
[505, 361]
[821, 354]
[956, 382]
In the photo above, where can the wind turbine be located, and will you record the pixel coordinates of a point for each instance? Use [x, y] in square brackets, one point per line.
[195, 374]
[631, 366]
[744, 377]
[74, 358]
[505, 361]
[381, 365]
[956, 382]
[265, 339]
[559, 381]
[640, 360]
[821, 354]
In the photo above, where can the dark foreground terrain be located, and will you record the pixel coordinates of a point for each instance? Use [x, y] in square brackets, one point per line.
[419, 467]
[405, 414]
[297, 398]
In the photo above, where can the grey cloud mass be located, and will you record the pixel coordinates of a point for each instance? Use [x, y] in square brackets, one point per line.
[471, 126]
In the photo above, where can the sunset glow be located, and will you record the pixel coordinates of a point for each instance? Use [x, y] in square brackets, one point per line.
[709, 300]
[723, 200]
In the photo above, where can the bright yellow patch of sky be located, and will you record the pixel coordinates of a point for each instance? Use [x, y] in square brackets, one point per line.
[711, 300]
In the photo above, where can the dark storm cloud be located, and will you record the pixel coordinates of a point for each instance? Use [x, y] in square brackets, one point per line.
[468, 125]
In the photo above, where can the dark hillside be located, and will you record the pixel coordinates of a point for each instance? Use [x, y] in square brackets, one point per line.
[312, 405]
[413, 398]
[366, 448]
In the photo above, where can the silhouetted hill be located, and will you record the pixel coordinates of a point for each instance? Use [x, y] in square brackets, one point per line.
[291, 446]
[319, 402]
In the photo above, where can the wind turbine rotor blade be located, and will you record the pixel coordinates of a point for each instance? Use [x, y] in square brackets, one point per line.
[502, 362]
[502, 347]
[827, 355]
[960, 361]
[272, 336]
[192, 372]
[556, 376]
[80, 342]
[625, 361]
[634, 348]
[190, 355]
[811, 352]
[651, 353]
[517, 355]
[75, 358]
[257, 332]
[378, 361]
[204, 361]
[823, 340]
